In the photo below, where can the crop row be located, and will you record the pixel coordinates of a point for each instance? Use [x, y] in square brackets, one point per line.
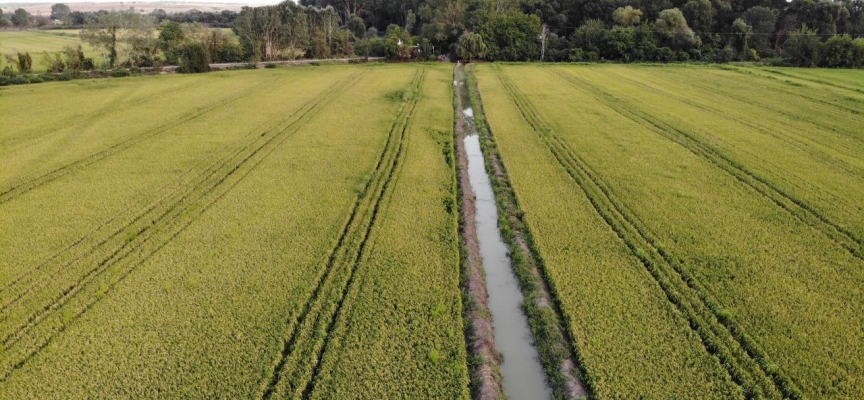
[63, 290]
[739, 357]
[763, 271]
[301, 358]
[65, 116]
[206, 315]
[23, 186]
[819, 168]
[806, 212]
[779, 128]
[399, 332]
[630, 340]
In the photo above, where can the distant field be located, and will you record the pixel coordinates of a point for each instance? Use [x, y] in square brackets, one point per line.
[704, 224]
[268, 234]
[36, 42]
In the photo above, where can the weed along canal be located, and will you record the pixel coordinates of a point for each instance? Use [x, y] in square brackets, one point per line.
[522, 374]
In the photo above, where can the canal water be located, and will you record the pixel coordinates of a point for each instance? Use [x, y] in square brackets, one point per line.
[522, 374]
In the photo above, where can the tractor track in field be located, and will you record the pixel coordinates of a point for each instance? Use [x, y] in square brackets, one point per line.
[720, 335]
[87, 117]
[809, 79]
[749, 72]
[800, 209]
[792, 141]
[309, 334]
[716, 90]
[18, 189]
[166, 224]
[173, 194]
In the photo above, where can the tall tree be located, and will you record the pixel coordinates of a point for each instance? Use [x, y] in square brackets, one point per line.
[60, 11]
[116, 26]
[471, 46]
[762, 21]
[21, 18]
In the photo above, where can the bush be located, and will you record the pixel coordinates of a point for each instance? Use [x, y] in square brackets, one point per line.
[803, 47]
[35, 79]
[120, 73]
[838, 52]
[5, 80]
[270, 65]
[664, 54]
[18, 80]
[193, 58]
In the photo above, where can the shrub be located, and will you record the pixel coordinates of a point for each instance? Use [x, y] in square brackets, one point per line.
[193, 58]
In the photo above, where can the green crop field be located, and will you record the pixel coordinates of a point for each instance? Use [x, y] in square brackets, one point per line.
[37, 42]
[296, 232]
[702, 227]
[235, 234]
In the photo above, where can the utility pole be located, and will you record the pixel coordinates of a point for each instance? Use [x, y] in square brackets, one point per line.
[543, 31]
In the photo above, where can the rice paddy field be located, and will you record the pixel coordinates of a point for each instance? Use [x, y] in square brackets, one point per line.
[232, 235]
[704, 224]
[295, 232]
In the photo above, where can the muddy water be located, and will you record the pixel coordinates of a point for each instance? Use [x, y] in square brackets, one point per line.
[523, 375]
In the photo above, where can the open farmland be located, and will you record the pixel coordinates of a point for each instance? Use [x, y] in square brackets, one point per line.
[237, 234]
[38, 42]
[692, 232]
[705, 224]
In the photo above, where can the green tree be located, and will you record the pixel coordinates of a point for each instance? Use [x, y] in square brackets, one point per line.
[618, 44]
[398, 43]
[762, 21]
[193, 58]
[838, 52]
[740, 40]
[111, 28]
[588, 37]
[24, 62]
[803, 47]
[674, 32]
[60, 11]
[471, 46]
[626, 16]
[357, 26]
[511, 36]
[171, 37]
[700, 16]
[21, 18]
